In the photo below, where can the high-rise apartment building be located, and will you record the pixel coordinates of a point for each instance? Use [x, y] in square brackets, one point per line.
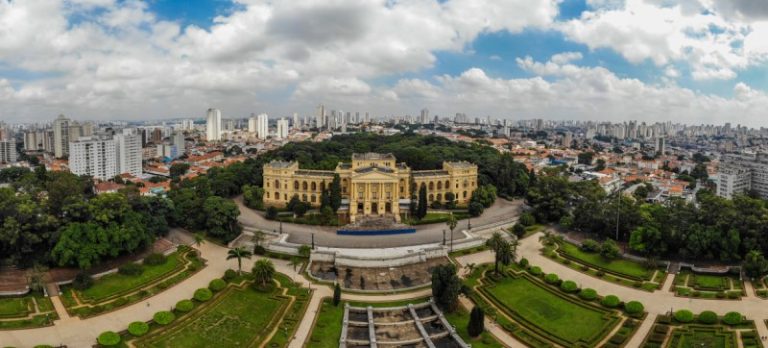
[424, 116]
[320, 116]
[187, 124]
[253, 123]
[739, 174]
[213, 125]
[262, 126]
[282, 128]
[296, 124]
[61, 136]
[180, 142]
[95, 156]
[8, 151]
[129, 152]
[660, 145]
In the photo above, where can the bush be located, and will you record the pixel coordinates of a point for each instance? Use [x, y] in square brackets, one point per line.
[138, 328]
[588, 294]
[732, 318]
[551, 278]
[164, 317]
[203, 294]
[217, 285]
[590, 246]
[475, 209]
[527, 219]
[633, 307]
[154, 259]
[684, 316]
[184, 306]
[600, 274]
[569, 286]
[229, 274]
[82, 281]
[708, 317]
[618, 339]
[610, 301]
[523, 263]
[535, 270]
[662, 329]
[108, 338]
[131, 269]
[610, 250]
[518, 230]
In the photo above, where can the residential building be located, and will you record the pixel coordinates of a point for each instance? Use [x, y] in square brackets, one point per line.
[253, 124]
[95, 156]
[282, 128]
[129, 152]
[61, 136]
[660, 145]
[187, 124]
[262, 126]
[372, 184]
[8, 152]
[213, 125]
[424, 117]
[180, 142]
[739, 174]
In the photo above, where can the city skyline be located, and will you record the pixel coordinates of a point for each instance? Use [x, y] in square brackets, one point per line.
[692, 61]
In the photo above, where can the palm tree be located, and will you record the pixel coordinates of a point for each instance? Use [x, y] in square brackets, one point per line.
[494, 241]
[469, 267]
[295, 261]
[452, 222]
[505, 254]
[199, 239]
[263, 271]
[548, 238]
[239, 253]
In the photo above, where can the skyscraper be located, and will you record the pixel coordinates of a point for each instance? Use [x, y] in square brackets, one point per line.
[8, 151]
[60, 136]
[128, 151]
[213, 125]
[320, 116]
[262, 126]
[660, 145]
[252, 124]
[282, 128]
[94, 156]
[180, 142]
[187, 124]
[296, 124]
[424, 119]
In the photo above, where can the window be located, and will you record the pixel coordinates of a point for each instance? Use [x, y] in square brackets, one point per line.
[296, 185]
[277, 195]
[465, 194]
[431, 186]
[431, 197]
[304, 185]
[314, 186]
[439, 185]
[314, 198]
[277, 184]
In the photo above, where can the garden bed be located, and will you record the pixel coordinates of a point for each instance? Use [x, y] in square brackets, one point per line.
[696, 331]
[24, 312]
[708, 286]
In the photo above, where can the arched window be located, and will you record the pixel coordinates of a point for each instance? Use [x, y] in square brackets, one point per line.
[267, 193]
[322, 186]
[304, 185]
[465, 194]
[304, 197]
[447, 185]
[277, 184]
[314, 198]
[431, 197]
[277, 195]
[439, 185]
[439, 197]
[431, 186]
[296, 185]
[314, 186]
[466, 183]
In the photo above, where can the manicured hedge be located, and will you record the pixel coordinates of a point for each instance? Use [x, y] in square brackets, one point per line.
[535, 270]
[610, 301]
[131, 269]
[569, 286]
[634, 307]
[551, 278]
[184, 306]
[708, 317]
[523, 263]
[684, 316]
[138, 328]
[164, 317]
[203, 294]
[109, 338]
[732, 318]
[588, 294]
[217, 285]
[229, 274]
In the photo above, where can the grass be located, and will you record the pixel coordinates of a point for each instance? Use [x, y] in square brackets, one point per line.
[327, 329]
[695, 337]
[622, 267]
[239, 317]
[116, 283]
[19, 312]
[460, 319]
[706, 281]
[14, 307]
[553, 314]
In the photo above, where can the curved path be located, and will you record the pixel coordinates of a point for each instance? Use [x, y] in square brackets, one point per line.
[501, 211]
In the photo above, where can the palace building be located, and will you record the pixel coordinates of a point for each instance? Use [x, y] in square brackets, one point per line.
[372, 184]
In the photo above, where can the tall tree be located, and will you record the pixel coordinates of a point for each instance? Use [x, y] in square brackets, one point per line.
[263, 272]
[476, 324]
[336, 294]
[504, 253]
[239, 253]
[446, 287]
[421, 210]
[335, 193]
[221, 218]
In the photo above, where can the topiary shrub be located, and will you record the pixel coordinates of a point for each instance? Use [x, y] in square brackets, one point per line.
[109, 339]
[138, 328]
[569, 286]
[82, 281]
[684, 316]
[633, 308]
[184, 306]
[590, 246]
[523, 263]
[708, 317]
[610, 301]
[154, 259]
[588, 294]
[203, 294]
[217, 285]
[229, 274]
[131, 269]
[732, 318]
[535, 270]
[164, 317]
[551, 278]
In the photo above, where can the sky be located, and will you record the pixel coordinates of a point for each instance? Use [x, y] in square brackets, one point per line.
[690, 61]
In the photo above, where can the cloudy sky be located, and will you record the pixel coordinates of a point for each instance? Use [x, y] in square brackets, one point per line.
[694, 61]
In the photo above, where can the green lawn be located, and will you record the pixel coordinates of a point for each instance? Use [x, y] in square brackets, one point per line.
[327, 329]
[116, 283]
[460, 319]
[549, 313]
[14, 307]
[620, 266]
[239, 318]
[713, 282]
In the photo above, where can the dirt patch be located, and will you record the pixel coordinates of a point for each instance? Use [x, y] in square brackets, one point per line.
[391, 278]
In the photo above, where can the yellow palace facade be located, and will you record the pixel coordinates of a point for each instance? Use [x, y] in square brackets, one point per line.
[372, 184]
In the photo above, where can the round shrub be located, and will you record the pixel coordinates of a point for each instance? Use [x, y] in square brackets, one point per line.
[203, 294]
[229, 274]
[155, 259]
[610, 301]
[684, 316]
[551, 278]
[217, 285]
[732, 318]
[708, 317]
[523, 263]
[43, 346]
[535, 270]
[569, 286]
[109, 338]
[164, 317]
[138, 328]
[184, 306]
[588, 294]
[633, 307]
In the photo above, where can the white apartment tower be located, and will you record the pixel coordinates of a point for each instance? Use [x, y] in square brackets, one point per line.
[213, 125]
[180, 142]
[262, 126]
[187, 124]
[739, 174]
[129, 152]
[320, 116]
[252, 124]
[296, 120]
[8, 151]
[60, 136]
[282, 128]
[424, 119]
[94, 156]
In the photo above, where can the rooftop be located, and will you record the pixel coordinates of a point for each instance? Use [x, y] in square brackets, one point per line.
[372, 156]
[461, 164]
[280, 164]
